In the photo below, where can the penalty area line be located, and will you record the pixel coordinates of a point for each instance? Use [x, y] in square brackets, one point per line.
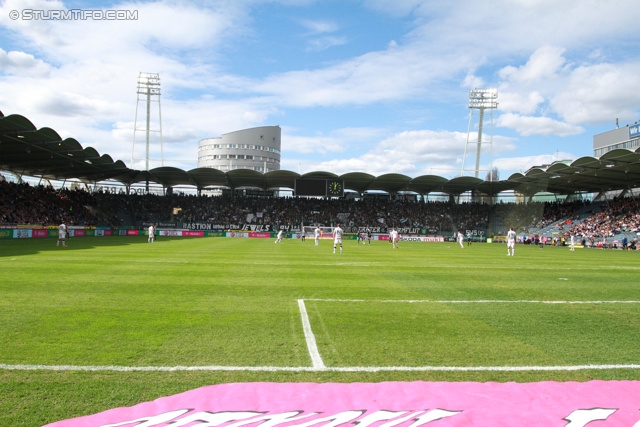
[415, 301]
[316, 359]
[315, 369]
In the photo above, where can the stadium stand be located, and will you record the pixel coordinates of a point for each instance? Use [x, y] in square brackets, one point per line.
[26, 150]
[597, 224]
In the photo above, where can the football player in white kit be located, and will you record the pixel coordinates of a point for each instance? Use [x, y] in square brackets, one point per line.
[337, 238]
[152, 234]
[62, 235]
[511, 242]
[394, 238]
[316, 235]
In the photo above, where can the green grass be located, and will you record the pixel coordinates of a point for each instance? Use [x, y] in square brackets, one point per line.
[234, 302]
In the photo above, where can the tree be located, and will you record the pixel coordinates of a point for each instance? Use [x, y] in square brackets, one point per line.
[493, 175]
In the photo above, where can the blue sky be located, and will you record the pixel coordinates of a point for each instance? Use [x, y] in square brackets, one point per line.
[373, 85]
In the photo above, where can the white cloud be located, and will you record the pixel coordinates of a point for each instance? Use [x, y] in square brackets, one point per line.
[412, 153]
[521, 102]
[323, 43]
[530, 125]
[600, 92]
[23, 64]
[395, 8]
[295, 144]
[40, 31]
[548, 96]
[472, 81]
[319, 26]
[158, 25]
[338, 141]
[544, 63]
[389, 75]
[511, 165]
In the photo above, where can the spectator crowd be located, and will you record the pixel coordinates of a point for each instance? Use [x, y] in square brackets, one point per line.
[39, 205]
[23, 204]
[621, 216]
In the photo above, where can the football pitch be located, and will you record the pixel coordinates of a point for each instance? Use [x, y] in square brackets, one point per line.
[114, 321]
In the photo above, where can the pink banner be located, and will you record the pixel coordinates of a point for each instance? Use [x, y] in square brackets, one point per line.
[390, 404]
[238, 234]
[260, 235]
[40, 233]
[187, 233]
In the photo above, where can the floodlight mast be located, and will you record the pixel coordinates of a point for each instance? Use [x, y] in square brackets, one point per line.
[480, 99]
[148, 91]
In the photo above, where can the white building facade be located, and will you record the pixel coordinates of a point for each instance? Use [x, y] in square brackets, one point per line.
[623, 137]
[256, 149]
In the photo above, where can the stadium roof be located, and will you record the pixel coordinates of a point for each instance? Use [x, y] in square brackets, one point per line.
[26, 150]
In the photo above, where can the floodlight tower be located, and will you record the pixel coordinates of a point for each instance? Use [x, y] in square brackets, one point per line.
[480, 99]
[148, 93]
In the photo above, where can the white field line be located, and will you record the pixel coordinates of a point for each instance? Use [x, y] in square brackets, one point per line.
[473, 301]
[316, 360]
[314, 369]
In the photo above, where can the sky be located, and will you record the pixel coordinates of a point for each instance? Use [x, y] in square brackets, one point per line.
[373, 86]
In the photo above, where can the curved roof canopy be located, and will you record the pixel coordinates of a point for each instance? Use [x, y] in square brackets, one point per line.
[41, 152]
[26, 150]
